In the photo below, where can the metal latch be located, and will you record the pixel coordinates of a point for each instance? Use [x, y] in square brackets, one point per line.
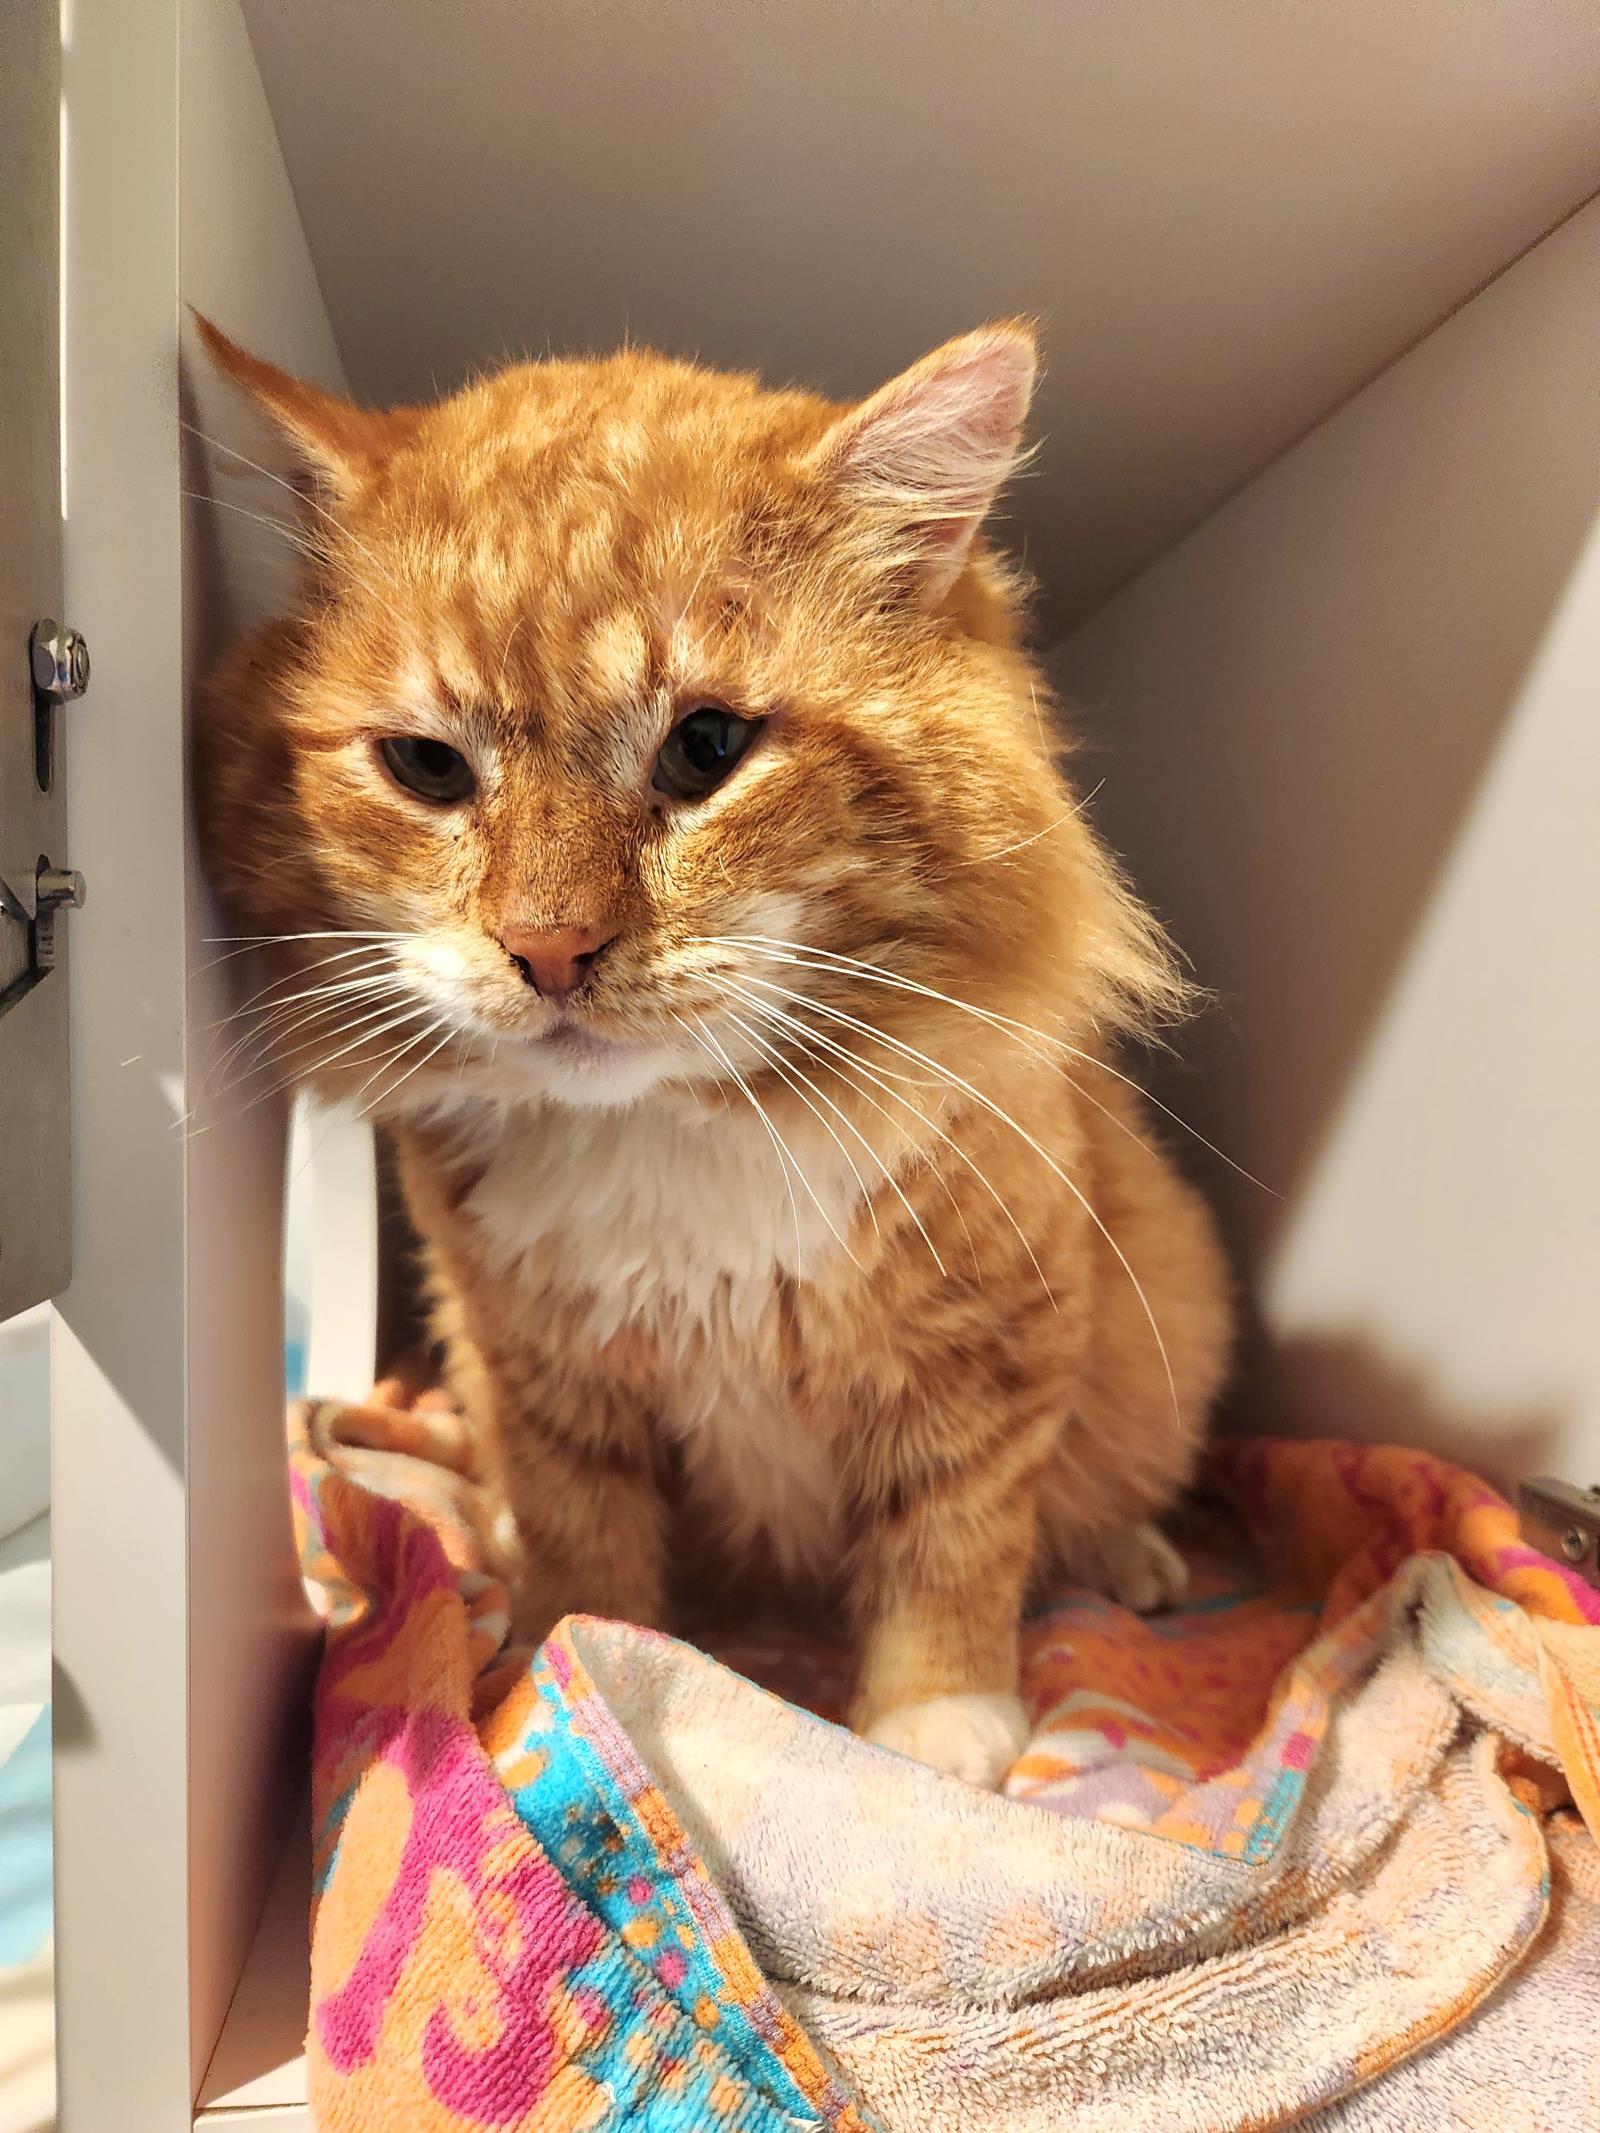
[54, 889]
[58, 660]
[1563, 1521]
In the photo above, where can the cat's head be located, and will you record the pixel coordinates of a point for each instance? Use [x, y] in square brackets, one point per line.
[626, 707]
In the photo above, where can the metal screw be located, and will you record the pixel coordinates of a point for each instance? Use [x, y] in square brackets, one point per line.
[1574, 1544]
[60, 661]
[59, 885]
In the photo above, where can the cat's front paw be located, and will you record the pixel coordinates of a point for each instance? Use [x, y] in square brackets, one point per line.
[1137, 1566]
[973, 1737]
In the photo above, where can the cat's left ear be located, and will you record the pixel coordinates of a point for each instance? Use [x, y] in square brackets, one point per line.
[923, 459]
[341, 444]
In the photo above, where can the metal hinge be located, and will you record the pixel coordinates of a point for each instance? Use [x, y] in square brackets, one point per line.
[1563, 1522]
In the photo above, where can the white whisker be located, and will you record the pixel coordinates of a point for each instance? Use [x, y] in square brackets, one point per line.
[288, 977]
[889, 1177]
[387, 1095]
[799, 1168]
[798, 1081]
[398, 1052]
[302, 1012]
[300, 537]
[278, 1050]
[1019, 1033]
[349, 984]
[367, 1035]
[999, 1112]
[704, 1038]
[851, 1061]
[1005, 851]
[249, 942]
[824, 959]
[326, 933]
[262, 1013]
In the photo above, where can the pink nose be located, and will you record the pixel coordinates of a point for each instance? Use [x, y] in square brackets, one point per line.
[555, 960]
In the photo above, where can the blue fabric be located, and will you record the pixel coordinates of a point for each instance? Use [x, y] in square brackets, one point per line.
[26, 1847]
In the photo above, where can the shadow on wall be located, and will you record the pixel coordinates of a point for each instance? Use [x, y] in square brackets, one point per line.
[1342, 1386]
[1294, 709]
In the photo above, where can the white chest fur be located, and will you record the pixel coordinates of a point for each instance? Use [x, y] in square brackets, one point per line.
[666, 1217]
[683, 1224]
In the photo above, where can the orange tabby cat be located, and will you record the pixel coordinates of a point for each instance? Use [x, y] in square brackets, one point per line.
[652, 804]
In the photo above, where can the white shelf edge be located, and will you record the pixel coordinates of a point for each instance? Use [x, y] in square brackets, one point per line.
[257, 2077]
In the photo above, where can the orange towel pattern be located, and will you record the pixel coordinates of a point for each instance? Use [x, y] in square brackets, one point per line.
[1259, 1855]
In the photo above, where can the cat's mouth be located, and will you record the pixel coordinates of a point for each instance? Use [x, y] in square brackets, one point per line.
[573, 1063]
[573, 1041]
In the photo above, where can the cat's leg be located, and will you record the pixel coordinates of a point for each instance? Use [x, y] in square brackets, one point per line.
[937, 1588]
[574, 1458]
[1150, 1377]
[580, 1481]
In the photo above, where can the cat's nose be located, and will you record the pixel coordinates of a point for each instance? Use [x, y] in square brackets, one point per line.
[555, 960]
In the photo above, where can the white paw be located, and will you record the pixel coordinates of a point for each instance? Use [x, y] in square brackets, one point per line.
[977, 1738]
[1136, 1566]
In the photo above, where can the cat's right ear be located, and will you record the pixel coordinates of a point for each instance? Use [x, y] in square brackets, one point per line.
[340, 444]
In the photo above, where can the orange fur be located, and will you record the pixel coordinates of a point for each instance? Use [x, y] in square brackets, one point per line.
[818, 1219]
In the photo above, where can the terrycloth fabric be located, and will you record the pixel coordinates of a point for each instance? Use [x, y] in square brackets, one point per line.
[1302, 1852]
[27, 1967]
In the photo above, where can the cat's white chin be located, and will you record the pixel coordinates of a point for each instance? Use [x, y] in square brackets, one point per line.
[597, 1075]
[607, 1084]
[586, 1072]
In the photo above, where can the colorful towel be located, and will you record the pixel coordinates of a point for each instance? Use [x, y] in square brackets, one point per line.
[1308, 1851]
[27, 1962]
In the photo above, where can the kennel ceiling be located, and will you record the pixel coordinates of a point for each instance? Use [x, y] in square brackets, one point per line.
[1228, 213]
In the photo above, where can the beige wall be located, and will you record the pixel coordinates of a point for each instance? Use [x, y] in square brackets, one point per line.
[1227, 213]
[1349, 734]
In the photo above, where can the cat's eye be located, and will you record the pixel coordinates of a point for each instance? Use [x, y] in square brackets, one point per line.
[433, 770]
[701, 749]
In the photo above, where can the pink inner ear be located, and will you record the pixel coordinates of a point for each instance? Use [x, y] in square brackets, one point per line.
[932, 448]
